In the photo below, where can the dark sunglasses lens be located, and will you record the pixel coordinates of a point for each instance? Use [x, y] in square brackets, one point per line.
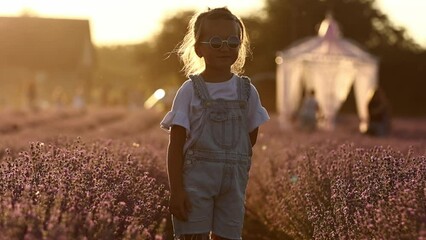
[233, 42]
[216, 42]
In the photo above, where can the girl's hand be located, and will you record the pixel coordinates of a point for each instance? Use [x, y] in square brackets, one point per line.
[180, 205]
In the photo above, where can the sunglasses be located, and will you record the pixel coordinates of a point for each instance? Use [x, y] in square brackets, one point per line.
[216, 42]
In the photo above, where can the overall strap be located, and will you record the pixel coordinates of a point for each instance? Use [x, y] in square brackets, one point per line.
[244, 88]
[200, 87]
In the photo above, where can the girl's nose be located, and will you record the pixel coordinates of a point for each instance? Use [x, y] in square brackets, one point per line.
[224, 47]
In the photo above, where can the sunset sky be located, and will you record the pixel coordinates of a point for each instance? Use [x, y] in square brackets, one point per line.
[132, 21]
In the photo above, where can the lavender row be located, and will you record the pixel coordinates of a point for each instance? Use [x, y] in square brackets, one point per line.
[71, 189]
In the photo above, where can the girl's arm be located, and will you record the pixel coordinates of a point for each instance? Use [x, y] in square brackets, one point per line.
[179, 203]
[253, 136]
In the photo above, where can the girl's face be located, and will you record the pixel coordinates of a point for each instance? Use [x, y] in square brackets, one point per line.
[222, 58]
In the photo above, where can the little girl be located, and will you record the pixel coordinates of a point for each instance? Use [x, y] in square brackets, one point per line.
[213, 126]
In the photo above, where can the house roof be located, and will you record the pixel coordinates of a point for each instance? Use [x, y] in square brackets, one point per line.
[43, 43]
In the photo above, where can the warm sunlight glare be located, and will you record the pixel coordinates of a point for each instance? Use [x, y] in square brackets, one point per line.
[154, 98]
[159, 94]
[133, 21]
[118, 22]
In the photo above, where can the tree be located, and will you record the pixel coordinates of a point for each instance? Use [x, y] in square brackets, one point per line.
[288, 21]
[116, 73]
[158, 59]
[284, 22]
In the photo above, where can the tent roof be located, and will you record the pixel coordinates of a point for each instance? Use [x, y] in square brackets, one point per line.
[328, 43]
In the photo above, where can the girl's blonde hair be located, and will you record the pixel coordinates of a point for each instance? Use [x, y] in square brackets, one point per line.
[192, 63]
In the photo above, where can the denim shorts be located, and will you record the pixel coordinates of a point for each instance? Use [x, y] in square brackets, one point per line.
[216, 189]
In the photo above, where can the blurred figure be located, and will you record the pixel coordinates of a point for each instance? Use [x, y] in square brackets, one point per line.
[31, 95]
[105, 95]
[308, 112]
[59, 98]
[379, 123]
[78, 101]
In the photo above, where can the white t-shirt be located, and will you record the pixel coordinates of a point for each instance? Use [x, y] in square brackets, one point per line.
[187, 110]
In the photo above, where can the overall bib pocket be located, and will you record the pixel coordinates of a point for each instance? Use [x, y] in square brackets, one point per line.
[224, 127]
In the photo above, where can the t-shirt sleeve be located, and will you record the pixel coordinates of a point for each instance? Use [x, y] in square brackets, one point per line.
[179, 113]
[257, 114]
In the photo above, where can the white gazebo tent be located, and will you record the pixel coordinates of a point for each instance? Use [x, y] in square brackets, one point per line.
[330, 65]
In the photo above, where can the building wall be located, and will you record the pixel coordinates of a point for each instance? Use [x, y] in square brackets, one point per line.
[23, 89]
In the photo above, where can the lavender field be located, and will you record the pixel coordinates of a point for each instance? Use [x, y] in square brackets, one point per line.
[100, 174]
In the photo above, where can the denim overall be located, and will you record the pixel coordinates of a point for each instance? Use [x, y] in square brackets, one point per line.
[216, 165]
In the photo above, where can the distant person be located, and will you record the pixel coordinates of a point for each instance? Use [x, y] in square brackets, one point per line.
[379, 123]
[308, 115]
[78, 100]
[59, 98]
[213, 126]
[31, 95]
